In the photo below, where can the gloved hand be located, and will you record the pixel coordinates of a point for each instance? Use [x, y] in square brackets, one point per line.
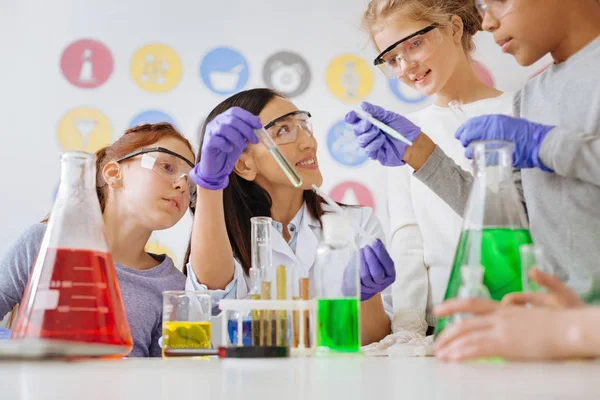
[377, 144]
[377, 270]
[225, 139]
[526, 136]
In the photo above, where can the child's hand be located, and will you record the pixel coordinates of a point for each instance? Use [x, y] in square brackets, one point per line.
[559, 296]
[378, 145]
[526, 136]
[513, 333]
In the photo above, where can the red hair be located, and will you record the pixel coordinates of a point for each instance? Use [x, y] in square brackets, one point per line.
[133, 139]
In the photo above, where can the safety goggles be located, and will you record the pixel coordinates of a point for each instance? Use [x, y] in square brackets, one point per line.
[285, 129]
[409, 52]
[169, 166]
[496, 8]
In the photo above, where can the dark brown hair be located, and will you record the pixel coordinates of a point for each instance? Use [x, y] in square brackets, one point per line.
[244, 199]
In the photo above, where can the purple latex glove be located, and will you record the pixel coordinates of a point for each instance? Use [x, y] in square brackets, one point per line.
[378, 145]
[377, 271]
[225, 139]
[526, 136]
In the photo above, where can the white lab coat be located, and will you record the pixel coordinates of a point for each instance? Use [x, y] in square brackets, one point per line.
[309, 236]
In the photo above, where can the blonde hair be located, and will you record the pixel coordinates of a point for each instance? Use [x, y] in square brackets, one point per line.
[433, 11]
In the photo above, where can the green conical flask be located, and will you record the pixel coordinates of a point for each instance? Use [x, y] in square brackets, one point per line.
[494, 225]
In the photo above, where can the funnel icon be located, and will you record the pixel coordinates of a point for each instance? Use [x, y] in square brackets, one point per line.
[85, 127]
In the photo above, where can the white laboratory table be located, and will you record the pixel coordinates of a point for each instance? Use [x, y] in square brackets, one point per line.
[315, 379]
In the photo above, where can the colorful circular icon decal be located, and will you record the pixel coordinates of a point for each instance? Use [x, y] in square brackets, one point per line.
[156, 68]
[288, 73]
[484, 74]
[405, 93]
[353, 193]
[151, 117]
[343, 146]
[224, 71]
[84, 129]
[349, 78]
[86, 63]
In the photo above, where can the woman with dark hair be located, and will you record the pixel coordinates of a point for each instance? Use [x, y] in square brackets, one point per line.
[238, 179]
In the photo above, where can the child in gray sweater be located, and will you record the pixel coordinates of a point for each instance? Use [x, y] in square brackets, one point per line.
[136, 200]
[557, 147]
[556, 135]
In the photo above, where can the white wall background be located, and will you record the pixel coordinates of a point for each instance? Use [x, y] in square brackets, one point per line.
[34, 95]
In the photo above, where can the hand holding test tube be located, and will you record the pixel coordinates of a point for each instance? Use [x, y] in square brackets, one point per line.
[384, 128]
[283, 163]
[384, 135]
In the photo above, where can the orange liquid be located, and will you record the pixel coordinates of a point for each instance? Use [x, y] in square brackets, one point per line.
[76, 298]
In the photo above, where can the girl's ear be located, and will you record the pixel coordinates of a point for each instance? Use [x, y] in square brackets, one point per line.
[112, 174]
[458, 27]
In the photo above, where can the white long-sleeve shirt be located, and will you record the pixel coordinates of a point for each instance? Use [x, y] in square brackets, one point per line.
[424, 230]
[298, 255]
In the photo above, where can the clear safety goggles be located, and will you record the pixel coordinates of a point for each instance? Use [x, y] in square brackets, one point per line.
[173, 168]
[496, 8]
[409, 52]
[285, 129]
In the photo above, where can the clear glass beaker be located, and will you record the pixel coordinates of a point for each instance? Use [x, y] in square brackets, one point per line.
[73, 294]
[337, 279]
[494, 226]
[186, 319]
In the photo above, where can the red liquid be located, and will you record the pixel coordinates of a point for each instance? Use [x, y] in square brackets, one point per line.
[76, 298]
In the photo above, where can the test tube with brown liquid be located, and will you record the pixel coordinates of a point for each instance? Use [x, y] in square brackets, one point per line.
[282, 319]
[267, 327]
[281, 315]
[304, 295]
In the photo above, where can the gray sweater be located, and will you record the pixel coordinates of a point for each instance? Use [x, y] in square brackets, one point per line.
[141, 290]
[564, 206]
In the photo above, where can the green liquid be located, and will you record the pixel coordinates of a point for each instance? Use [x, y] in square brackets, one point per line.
[497, 250]
[338, 325]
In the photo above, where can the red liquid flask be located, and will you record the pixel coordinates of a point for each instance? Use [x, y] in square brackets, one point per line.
[72, 299]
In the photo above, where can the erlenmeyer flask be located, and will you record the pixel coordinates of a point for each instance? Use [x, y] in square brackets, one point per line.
[494, 226]
[72, 298]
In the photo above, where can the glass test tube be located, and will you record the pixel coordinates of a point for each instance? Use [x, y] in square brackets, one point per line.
[255, 291]
[266, 338]
[458, 111]
[281, 319]
[531, 257]
[305, 325]
[283, 163]
[261, 260]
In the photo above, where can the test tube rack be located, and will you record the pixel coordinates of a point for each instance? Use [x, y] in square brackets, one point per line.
[246, 306]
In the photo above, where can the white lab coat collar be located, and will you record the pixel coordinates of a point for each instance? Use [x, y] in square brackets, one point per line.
[307, 241]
